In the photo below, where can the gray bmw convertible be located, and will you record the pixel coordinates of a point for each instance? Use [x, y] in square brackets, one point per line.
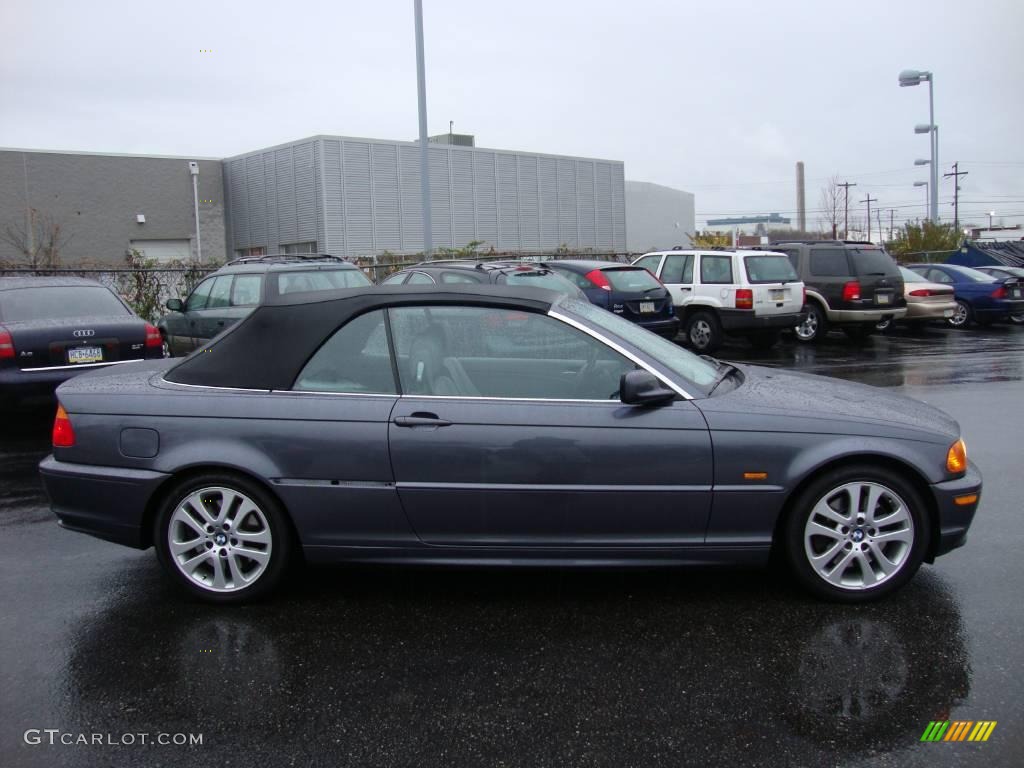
[489, 425]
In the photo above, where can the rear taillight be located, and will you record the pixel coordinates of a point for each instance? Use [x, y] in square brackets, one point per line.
[6, 344]
[599, 279]
[744, 298]
[63, 433]
[999, 293]
[153, 337]
[920, 292]
[851, 291]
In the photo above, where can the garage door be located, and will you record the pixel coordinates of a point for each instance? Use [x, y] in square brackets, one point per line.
[164, 251]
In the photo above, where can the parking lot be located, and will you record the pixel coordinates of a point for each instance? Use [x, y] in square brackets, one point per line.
[534, 668]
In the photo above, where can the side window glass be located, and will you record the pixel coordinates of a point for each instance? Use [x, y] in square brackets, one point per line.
[580, 281]
[829, 262]
[396, 279]
[456, 278]
[246, 291]
[420, 278]
[198, 298]
[794, 258]
[220, 294]
[491, 352]
[356, 359]
[716, 269]
[650, 263]
[938, 276]
[678, 269]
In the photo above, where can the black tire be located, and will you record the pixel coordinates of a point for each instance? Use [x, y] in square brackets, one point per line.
[802, 508]
[763, 339]
[704, 332]
[815, 327]
[884, 326]
[859, 333]
[272, 525]
[962, 316]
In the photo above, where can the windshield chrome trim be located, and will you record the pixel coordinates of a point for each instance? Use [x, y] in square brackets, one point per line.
[620, 349]
[211, 386]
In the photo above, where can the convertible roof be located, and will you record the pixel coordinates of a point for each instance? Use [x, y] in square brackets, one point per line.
[267, 349]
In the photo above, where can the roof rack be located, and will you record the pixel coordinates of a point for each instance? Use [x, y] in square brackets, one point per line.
[286, 257]
[476, 264]
[823, 242]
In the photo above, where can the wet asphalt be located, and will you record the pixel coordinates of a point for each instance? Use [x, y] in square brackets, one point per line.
[541, 668]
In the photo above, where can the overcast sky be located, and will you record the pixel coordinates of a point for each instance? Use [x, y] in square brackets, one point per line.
[719, 98]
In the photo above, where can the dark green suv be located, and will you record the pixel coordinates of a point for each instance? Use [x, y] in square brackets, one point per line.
[226, 296]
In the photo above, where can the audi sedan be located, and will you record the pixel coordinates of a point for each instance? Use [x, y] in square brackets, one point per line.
[488, 425]
[53, 328]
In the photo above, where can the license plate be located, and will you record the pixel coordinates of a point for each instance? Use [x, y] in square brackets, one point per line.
[79, 355]
[646, 306]
[883, 298]
[948, 313]
[1016, 293]
[777, 294]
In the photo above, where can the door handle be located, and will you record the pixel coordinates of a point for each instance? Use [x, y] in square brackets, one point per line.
[421, 420]
[685, 288]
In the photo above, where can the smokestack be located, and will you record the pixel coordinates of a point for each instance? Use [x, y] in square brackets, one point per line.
[801, 205]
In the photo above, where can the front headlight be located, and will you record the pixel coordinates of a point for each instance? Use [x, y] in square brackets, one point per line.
[956, 458]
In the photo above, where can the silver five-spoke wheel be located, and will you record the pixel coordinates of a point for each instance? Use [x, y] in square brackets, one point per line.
[858, 535]
[220, 539]
[700, 333]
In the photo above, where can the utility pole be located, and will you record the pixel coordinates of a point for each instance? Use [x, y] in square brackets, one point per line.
[846, 206]
[869, 200]
[892, 223]
[421, 89]
[956, 174]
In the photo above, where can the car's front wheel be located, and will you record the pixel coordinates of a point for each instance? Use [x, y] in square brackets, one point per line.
[814, 327]
[856, 533]
[222, 537]
[961, 315]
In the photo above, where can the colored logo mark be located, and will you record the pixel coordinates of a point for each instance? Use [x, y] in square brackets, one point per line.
[958, 730]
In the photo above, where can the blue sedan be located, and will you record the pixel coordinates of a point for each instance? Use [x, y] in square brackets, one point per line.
[980, 298]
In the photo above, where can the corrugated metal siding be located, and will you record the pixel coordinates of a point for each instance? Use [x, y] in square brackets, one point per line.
[463, 220]
[360, 196]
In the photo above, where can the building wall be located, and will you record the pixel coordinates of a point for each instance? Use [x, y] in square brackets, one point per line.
[95, 199]
[362, 196]
[657, 217]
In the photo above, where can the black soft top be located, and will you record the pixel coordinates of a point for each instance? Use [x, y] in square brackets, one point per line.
[268, 348]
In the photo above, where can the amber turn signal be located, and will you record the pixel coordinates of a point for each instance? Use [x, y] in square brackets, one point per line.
[965, 500]
[956, 459]
[63, 434]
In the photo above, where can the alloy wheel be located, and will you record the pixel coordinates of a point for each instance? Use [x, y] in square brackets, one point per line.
[219, 539]
[700, 334]
[858, 535]
[960, 315]
[808, 329]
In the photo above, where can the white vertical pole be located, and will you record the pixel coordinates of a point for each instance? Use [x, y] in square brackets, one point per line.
[421, 87]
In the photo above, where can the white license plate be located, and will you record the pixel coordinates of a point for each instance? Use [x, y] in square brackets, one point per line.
[777, 294]
[1016, 293]
[883, 298]
[79, 355]
[646, 306]
[948, 313]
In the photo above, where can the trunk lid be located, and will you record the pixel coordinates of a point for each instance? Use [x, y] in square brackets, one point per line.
[76, 341]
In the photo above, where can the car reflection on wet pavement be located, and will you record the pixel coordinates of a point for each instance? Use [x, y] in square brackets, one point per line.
[361, 666]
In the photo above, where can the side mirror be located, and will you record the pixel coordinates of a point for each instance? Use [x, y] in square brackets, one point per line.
[175, 305]
[643, 388]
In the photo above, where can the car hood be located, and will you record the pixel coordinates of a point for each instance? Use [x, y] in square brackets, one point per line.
[772, 399]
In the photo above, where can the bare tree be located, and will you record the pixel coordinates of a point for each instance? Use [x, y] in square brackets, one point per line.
[39, 239]
[831, 206]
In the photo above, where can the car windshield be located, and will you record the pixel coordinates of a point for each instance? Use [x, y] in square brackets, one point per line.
[909, 276]
[873, 261]
[688, 366]
[973, 274]
[631, 279]
[59, 302]
[769, 268]
[320, 280]
[542, 279]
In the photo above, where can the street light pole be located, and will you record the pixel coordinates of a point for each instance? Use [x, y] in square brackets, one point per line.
[421, 89]
[911, 77]
[927, 192]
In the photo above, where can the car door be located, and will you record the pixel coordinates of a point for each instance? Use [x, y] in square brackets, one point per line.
[677, 275]
[216, 316]
[181, 326]
[509, 433]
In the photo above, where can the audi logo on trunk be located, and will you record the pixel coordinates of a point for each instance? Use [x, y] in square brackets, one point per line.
[83, 334]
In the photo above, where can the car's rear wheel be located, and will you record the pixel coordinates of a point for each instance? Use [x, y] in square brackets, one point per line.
[857, 533]
[814, 327]
[884, 325]
[763, 339]
[1017, 319]
[704, 332]
[961, 315]
[222, 537]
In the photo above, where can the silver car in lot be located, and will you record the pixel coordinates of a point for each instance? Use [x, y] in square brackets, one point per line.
[926, 301]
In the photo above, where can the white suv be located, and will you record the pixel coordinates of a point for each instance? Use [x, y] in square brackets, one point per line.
[751, 293]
